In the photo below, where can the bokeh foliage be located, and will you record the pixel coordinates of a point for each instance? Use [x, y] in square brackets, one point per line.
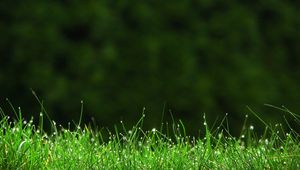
[120, 56]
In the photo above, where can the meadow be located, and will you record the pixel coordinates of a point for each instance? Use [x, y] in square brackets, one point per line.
[25, 145]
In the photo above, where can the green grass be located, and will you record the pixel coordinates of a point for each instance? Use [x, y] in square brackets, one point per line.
[24, 145]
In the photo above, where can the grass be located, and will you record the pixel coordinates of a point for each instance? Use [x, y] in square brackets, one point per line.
[24, 145]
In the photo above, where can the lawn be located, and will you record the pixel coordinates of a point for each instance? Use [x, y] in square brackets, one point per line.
[25, 145]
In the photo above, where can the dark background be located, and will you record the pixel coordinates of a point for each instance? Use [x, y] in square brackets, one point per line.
[194, 57]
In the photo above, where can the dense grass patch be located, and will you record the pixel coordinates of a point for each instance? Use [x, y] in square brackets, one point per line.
[25, 145]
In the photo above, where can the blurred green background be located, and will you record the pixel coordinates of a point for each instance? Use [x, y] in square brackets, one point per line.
[194, 57]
